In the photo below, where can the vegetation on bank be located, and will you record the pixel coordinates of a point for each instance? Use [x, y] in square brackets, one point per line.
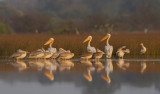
[31, 42]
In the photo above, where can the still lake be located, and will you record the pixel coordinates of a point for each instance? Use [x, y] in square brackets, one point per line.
[107, 76]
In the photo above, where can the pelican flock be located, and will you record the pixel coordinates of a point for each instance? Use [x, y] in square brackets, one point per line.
[62, 54]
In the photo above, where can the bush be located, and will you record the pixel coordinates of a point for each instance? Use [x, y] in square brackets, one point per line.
[4, 29]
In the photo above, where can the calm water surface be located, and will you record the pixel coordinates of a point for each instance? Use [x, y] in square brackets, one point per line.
[80, 77]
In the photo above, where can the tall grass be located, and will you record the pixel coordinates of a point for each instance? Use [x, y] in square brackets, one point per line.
[31, 42]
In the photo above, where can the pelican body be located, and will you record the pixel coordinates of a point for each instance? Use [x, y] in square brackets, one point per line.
[98, 54]
[89, 39]
[120, 52]
[36, 54]
[143, 49]
[66, 55]
[108, 48]
[20, 54]
[87, 55]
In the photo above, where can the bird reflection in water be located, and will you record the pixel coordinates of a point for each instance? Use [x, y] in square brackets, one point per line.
[98, 65]
[65, 65]
[108, 70]
[38, 65]
[20, 65]
[90, 68]
[122, 65]
[143, 66]
[49, 67]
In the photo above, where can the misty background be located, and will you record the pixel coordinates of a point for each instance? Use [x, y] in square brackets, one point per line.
[74, 16]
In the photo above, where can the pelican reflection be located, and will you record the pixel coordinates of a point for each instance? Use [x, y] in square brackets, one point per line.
[90, 68]
[143, 66]
[122, 65]
[65, 65]
[38, 65]
[20, 65]
[108, 70]
[99, 66]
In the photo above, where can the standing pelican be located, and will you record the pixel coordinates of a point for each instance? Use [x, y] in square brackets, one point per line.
[87, 55]
[50, 42]
[98, 54]
[89, 39]
[36, 54]
[143, 49]
[20, 54]
[120, 52]
[108, 48]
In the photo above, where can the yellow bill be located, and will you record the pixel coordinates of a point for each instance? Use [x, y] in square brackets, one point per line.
[108, 80]
[89, 78]
[48, 42]
[87, 39]
[104, 38]
[49, 75]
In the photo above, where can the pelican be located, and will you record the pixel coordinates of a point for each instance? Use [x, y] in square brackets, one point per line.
[87, 55]
[47, 54]
[108, 70]
[89, 39]
[36, 54]
[61, 50]
[143, 66]
[50, 42]
[108, 48]
[143, 49]
[120, 52]
[20, 54]
[98, 54]
[66, 55]
[65, 65]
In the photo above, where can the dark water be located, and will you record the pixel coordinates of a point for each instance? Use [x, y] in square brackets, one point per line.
[80, 77]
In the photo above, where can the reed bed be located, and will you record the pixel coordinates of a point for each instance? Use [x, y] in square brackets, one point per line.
[30, 42]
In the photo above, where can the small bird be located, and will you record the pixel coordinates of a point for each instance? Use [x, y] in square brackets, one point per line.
[20, 54]
[98, 54]
[143, 49]
[120, 52]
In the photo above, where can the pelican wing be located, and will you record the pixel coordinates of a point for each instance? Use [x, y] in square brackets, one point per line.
[16, 54]
[52, 50]
[35, 53]
[65, 54]
[86, 54]
[46, 54]
[91, 49]
[97, 54]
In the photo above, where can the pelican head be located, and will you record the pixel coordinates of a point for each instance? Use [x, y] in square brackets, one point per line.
[87, 39]
[141, 44]
[106, 37]
[51, 40]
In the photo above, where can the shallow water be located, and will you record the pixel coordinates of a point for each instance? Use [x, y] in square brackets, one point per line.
[80, 77]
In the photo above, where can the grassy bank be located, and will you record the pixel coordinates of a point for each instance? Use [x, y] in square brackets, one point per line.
[31, 42]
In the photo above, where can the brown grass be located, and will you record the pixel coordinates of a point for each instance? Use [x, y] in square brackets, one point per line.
[31, 42]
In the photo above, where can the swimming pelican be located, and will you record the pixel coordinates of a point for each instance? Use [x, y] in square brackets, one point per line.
[108, 48]
[50, 42]
[108, 70]
[89, 39]
[87, 55]
[20, 54]
[36, 54]
[143, 49]
[98, 54]
[120, 52]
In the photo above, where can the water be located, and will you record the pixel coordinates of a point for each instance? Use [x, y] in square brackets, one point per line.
[80, 77]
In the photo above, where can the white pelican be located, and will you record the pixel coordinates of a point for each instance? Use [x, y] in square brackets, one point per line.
[87, 55]
[47, 54]
[20, 54]
[108, 48]
[36, 54]
[108, 70]
[143, 49]
[66, 55]
[98, 54]
[120, 52]
[50, 42]
[89, 39]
